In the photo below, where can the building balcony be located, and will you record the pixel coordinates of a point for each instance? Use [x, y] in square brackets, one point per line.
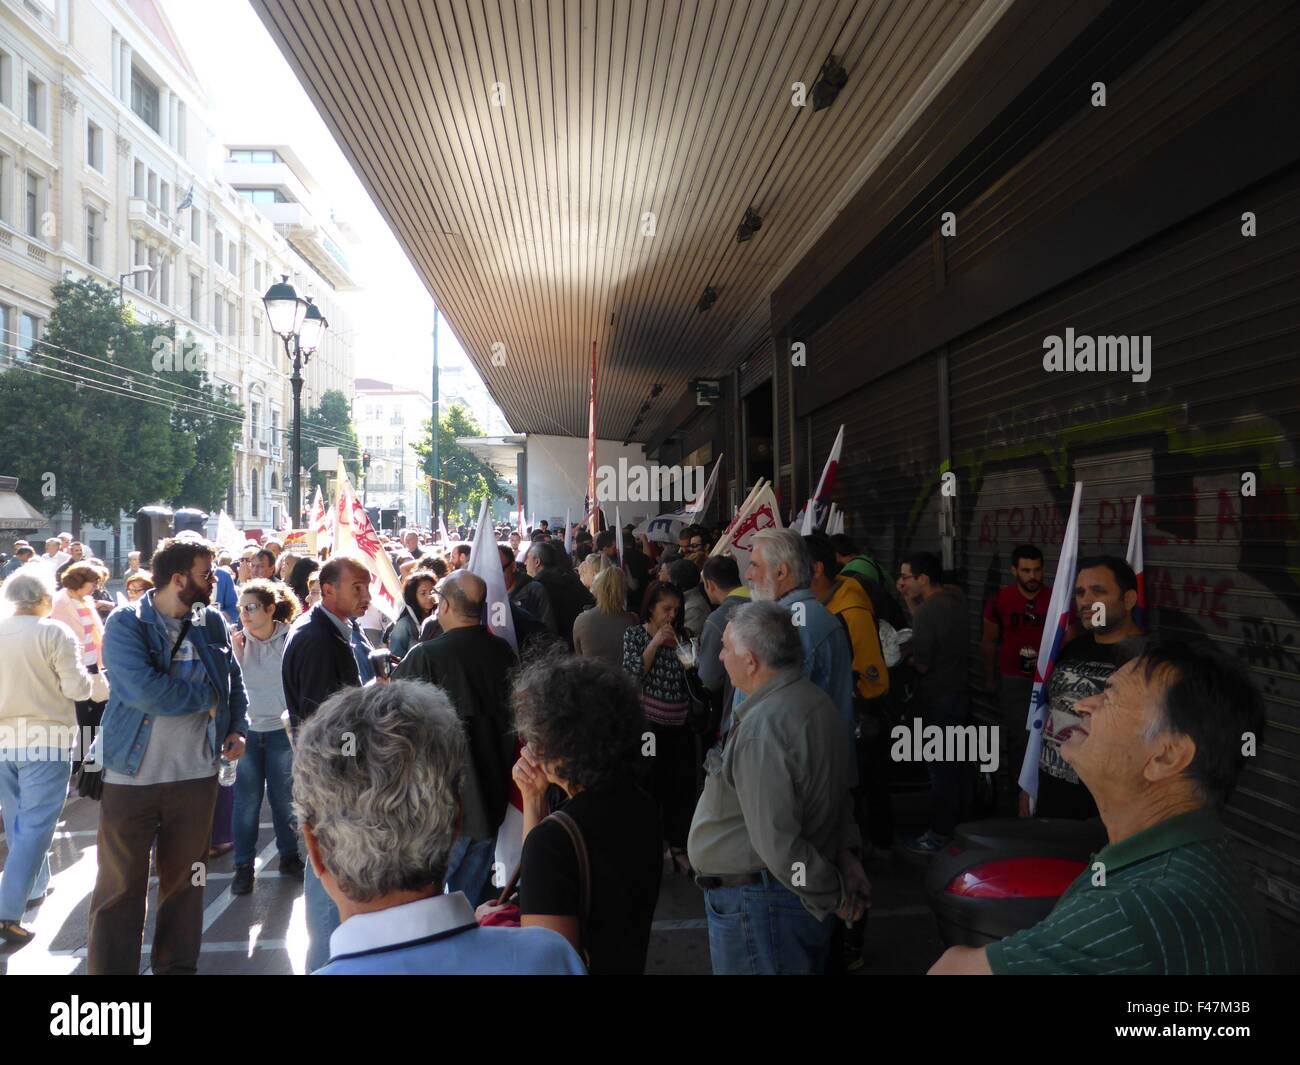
[146, 221]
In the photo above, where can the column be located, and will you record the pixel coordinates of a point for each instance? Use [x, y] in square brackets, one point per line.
[67, 230]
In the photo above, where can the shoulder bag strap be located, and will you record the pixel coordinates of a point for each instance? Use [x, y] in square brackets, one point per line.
[185, 628]
[584, 871]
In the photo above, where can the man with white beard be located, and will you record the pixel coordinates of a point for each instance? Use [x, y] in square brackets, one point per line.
[780, 570]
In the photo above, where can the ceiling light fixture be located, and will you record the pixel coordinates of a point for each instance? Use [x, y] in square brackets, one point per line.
[749, 225]
[830, 81]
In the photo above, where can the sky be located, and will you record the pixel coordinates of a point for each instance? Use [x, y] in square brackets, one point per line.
[255, 96]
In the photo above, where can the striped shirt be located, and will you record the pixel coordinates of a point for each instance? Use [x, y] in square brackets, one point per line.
[1175, 901]
[89, 649]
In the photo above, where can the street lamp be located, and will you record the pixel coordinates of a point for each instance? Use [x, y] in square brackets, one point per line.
[121, 280]
[294, 318]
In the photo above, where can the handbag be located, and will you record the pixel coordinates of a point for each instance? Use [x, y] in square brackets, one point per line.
[90, 782]
[508, 916]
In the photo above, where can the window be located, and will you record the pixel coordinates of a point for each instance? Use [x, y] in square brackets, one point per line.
[35, 196]
[153, 188]
[92, 237]
[94, 146]
[257, 275]
[29, 332]
[244, 155]
[138, 181]
[6, 323]
[196, 296]
[232, 319]
[218, 248]
[264, 196]
[6, 186]
[165, 198]
[234, 258]
[257, 480]
[196, 226]
[255, 420]
[6, 80]
[35, 102]
[144, 99]
[217, 305]
[165, 283]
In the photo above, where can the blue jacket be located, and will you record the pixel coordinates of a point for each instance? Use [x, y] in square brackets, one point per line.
[137, 657]
[827, 660]
[227, 599]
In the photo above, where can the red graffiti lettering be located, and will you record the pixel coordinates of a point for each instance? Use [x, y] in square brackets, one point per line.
[1227, 515]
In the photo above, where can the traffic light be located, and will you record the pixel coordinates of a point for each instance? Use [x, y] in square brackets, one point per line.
[365, 460]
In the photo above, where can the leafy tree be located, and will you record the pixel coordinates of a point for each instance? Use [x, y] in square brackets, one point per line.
[90, 417]
[215, 427]
[329, 425]
[471, 479]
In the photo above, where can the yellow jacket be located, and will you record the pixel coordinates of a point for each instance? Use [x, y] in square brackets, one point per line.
[849, 602]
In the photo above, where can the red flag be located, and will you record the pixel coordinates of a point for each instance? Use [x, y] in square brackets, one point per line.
[591, 448]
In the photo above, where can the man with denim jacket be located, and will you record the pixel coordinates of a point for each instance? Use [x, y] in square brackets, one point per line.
[177, 704]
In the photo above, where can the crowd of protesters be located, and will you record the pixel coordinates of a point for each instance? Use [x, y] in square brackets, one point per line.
[458, 802]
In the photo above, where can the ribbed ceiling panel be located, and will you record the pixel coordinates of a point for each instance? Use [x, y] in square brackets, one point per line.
[515, 146]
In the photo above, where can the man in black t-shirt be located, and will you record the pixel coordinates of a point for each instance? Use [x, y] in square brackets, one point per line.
[1105, 593]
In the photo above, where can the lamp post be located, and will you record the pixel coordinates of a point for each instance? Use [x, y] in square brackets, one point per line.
[121, 280]
[294, 318]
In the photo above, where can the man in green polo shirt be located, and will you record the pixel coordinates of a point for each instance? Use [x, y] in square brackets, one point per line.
[1160, 749]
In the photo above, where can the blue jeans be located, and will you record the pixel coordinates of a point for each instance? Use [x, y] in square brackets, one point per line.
[267, 763]
[32, 790]
[469, 869]
[764, 930]
[322, 918]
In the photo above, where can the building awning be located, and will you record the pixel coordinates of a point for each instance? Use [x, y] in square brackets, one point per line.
[16, 514]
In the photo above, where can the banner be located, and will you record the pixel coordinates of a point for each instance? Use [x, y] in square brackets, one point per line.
[568, 533]
[764, 513]
[1136, 557]
[1060, 611]
[485, 562]
[666, 527]
[300, 542]
[354, 535]
[813, 515]
[322, 521]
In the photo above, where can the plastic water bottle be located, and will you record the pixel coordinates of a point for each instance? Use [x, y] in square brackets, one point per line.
[226, 775]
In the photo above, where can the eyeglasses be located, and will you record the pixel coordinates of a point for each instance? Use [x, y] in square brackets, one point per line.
[251, 608]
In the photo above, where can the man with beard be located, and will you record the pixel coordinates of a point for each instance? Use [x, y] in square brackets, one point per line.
[780, 570]
[1014, 618]
[176, 706]
[1105, 593]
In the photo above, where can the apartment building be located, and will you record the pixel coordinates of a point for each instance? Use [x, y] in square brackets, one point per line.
[388, 421]
[110, 168]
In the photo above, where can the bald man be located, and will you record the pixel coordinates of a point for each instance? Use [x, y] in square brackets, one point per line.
[473, 667]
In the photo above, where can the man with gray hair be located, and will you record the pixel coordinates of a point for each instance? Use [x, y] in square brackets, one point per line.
[474, 668]
[780, 570]
[377, 780]
[773, 834]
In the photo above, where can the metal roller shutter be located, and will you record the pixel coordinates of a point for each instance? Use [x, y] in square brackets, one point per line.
[1223, 312]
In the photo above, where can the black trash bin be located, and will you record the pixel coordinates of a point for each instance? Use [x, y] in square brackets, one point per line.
[152, 526]
[997, 877]
[190, 519]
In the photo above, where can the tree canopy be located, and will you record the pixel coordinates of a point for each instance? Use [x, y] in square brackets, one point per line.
[471, 479]
[328, 425]
[104, 416]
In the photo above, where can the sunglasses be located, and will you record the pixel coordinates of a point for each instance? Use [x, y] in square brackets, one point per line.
[251, 608]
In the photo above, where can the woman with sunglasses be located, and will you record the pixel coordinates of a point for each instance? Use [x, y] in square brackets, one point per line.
[266, 608]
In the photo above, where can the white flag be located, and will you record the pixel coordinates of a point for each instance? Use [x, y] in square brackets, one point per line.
[568, 532]
[485, 562]
[228, 536]
[1060, 610]
[764, 513]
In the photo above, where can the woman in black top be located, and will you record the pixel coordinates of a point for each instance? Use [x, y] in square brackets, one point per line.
[581, 724]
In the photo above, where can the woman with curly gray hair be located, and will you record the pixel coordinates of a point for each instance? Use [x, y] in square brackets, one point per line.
[377, 779]
[598, 855]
